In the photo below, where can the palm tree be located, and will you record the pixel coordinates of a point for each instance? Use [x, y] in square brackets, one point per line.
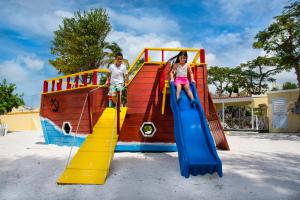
[111, 49]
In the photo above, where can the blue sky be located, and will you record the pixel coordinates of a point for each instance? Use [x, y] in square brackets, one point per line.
[224, 28]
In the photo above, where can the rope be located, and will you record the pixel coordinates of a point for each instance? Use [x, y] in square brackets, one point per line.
[74, 136]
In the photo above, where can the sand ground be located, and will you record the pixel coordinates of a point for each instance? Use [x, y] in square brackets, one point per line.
[259, 166]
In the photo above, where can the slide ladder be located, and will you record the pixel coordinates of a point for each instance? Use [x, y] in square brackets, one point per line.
[91, 163]
[196, 148]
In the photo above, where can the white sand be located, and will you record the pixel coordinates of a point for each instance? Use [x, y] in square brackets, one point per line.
[259, 166]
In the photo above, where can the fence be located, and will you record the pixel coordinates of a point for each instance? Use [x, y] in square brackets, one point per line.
[246, 123]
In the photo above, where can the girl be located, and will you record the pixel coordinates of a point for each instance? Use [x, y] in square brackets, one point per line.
[180, 70]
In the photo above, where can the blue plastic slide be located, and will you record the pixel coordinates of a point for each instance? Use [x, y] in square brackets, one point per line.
[196, 148]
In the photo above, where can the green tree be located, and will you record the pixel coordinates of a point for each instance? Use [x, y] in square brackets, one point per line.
[289, 85]
[111, 49]
[137, 65]
[282, 39]
[79, 43]
[258, 72]
[8, 100]
[219, 77]
[236, 81]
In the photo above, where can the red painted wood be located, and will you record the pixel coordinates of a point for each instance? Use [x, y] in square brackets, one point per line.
[76, 81]
[145, 100]
[70, 107]
[144, 104]
[45, 88]
[202, 56]
[59, 85]
[216, 127]
[53, 86]
[162, 79]
[95, 80]
[68, 83]
[146, 55]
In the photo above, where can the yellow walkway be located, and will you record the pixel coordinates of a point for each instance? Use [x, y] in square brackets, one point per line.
[91, 163]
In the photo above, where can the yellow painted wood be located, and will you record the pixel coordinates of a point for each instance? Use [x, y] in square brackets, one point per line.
[91, 163]
[79, 73]
[82, 176]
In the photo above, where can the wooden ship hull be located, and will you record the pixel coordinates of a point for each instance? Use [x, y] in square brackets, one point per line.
[80, 106]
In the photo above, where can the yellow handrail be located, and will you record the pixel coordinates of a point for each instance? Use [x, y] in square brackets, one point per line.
[79, 73]
[164, 97]
[174, 49]
[59, 82]
[135, 61]
[161, 62]
[142, 53]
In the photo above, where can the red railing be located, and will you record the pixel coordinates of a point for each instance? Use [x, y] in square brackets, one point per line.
[74, 81]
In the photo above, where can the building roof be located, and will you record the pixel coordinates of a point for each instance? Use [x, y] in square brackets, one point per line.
[246, 99]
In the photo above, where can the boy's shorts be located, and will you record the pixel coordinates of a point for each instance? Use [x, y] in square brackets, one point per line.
[115, 87]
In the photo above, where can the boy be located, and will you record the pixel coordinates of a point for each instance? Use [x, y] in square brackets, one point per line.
[116, 76]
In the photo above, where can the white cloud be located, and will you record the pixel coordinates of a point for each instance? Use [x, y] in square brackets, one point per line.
[226, 39]
[20, 69]
[211, 59]
[63, 14]
[238, 10]
[32, 62]
[144, 23]
[232, 49]
[132, 44]
[32, 17]
[26, 72]
[286, 77]
[13, 71]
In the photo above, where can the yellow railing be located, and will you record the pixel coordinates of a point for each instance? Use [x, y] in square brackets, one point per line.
[133, 69]
[90, 78]
[164, 97]
[145, 54]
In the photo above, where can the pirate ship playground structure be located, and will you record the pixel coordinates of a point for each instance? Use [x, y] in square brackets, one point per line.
[74, 111]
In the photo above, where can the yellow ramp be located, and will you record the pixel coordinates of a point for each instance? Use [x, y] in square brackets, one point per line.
[90, 164]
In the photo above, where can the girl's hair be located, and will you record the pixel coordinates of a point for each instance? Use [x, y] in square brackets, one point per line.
[181, 53]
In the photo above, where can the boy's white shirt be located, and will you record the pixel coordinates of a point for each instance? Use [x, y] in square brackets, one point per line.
[117, 73]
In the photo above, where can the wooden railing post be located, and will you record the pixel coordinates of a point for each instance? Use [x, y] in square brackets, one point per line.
[95, 78]
[45, 89]
[76, 81]
[53, 86]
[68, 83]
[202, 56]
[59, 85]
[84, 79]
[146, 55]
[118, 111]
